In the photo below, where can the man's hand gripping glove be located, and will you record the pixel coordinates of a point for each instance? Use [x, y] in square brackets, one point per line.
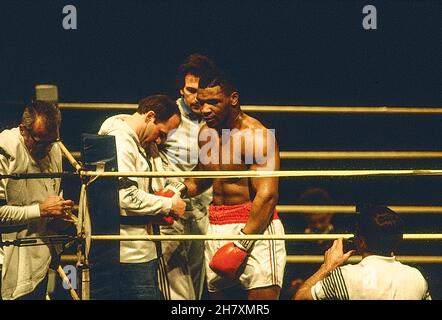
[227, 261]
[173, 189]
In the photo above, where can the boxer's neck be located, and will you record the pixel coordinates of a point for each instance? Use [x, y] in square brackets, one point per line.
[234, 120]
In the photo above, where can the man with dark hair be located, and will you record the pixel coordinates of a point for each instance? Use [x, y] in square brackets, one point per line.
[188, 76]
[136, 138]
[161, 105]
[185, 259]
[378, 276]
[231, 140]
[28, 207]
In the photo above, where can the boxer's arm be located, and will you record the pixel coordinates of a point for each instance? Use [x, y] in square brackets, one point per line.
[265, 189]
[196, 186]
[263, 205]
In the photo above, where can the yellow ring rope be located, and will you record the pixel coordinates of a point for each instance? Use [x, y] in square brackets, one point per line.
[356, 259]
[274, 109]
[342, 155]
[351, 209]
[307, 237]
[69, 258]
[262, 173]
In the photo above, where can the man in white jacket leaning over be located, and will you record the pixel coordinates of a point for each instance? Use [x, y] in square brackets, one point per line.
[137, 137]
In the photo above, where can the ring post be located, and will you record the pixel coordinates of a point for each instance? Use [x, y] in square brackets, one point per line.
[46, 92]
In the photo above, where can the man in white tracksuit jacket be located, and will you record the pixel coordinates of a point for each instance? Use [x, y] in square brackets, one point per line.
[185, 259]
[136, 137]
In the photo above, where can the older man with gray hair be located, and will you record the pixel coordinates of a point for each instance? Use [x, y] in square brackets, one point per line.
[28, 207]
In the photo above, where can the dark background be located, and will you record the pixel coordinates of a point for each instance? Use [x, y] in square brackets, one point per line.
[280, 52]
[283, 52]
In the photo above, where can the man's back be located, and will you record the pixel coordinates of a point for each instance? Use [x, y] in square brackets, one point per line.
[374, 278]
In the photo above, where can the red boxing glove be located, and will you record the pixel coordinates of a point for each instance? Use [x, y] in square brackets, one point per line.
[172, 189]
[227, 261]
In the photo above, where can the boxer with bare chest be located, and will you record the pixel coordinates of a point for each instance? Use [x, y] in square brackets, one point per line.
[233, 141]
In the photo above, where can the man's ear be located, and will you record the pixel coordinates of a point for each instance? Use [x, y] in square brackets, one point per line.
[182, 91]
[150, 116]
[360, 243]
[234, 99]
[22, 129]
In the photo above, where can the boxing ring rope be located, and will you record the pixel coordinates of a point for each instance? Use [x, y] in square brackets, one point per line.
[347, 209]
[319, 259]
[303, 237]
[69, 156]
[356, 259]
[269, 173]
[231, 174]
[341, 109]
[368, 155]
[351, 209]
[271, 109]
[347, 155]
